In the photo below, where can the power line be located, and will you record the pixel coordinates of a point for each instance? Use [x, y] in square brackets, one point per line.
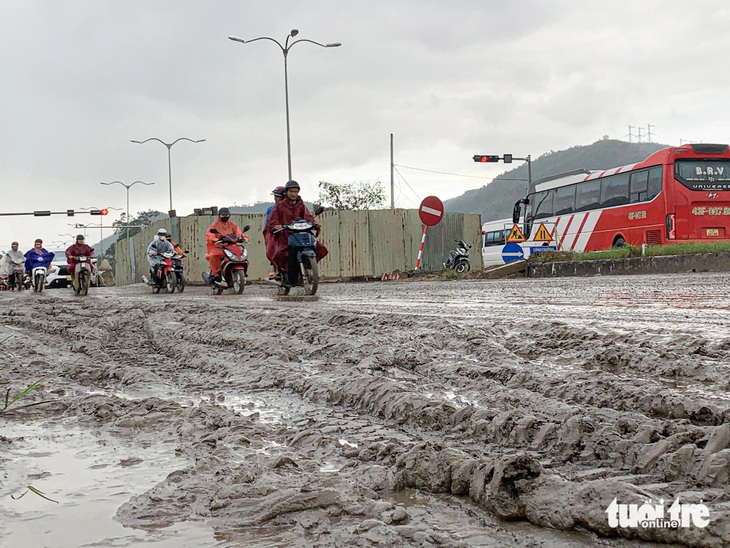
[460, 174]
[406, 182]
[445, 172]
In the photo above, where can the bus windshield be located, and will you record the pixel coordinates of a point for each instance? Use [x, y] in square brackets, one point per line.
[703, 174]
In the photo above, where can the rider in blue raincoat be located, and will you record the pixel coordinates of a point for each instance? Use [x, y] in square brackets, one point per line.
[38, 256]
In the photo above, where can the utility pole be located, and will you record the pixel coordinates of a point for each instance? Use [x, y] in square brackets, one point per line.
[638, 134]
[630, 134]
[648, 132]
[392, 196]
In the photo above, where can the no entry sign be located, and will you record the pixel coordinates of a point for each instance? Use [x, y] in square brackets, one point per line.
[431, 211]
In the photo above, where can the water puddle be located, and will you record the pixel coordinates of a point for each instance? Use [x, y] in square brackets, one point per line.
[90, 476]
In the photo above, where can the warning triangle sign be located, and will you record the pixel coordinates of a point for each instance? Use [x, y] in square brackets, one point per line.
[515, 235]
[543, 234]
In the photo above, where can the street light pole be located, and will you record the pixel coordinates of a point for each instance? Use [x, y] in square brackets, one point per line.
[285, 50]
[127, 187]
[169, 158]
[101, 229]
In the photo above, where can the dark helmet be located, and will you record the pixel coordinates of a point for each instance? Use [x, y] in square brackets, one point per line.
[278, 191]
[291, 184]
[224, 211]
[80, 237]
[38, 241]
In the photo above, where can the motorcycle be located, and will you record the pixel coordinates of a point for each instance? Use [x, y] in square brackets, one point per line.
[38, 278]
[177, 268]
[459, 258]
[302, 258]
[82, 275]
[17, 278]
[165, 278]
[234, 266]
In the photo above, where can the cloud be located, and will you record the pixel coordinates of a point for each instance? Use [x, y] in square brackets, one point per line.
[449, 80]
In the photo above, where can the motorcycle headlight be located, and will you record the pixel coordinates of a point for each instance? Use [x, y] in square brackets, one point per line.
[230, 255]
[244, 255]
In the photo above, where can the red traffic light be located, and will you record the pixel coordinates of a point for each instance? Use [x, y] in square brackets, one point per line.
[103, 211]
[99, 211]
[486, 158]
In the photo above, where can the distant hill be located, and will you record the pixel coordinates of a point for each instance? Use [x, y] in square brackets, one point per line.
[496, 199]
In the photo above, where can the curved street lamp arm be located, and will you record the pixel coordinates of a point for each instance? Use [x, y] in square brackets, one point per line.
[332, 45]
[127, 186]
[260, 38]
[168, 145]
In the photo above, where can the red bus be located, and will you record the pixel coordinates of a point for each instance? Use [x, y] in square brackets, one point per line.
[677, 194]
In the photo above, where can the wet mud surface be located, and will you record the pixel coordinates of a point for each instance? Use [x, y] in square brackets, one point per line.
[470, 413]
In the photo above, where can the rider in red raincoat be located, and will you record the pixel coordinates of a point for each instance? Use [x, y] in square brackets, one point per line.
[287, 210]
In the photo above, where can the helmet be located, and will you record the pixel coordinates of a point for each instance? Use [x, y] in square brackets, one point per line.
[162, 232]
[278, 191]
[291, 184]
[80, 237]
[224, 211]
[38, 241]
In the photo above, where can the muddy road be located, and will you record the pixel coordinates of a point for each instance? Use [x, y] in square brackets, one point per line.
[470, 413]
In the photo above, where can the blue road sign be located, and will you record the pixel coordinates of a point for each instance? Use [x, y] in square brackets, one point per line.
[542, 249]
[512, 252]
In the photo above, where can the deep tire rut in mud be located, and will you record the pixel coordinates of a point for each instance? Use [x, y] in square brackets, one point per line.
[403, 414]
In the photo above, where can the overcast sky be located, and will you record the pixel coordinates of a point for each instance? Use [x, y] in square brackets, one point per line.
[80, 78]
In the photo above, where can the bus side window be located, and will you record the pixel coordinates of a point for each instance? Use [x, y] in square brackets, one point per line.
[494, 237]
[655, 182]
[564, 201]
[615, 190]
[587, 195]
[639, 180]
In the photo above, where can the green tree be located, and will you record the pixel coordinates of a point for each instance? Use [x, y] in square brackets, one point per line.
[352, 196]
[143, 219]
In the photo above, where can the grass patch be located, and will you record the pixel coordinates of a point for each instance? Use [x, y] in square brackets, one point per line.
[631, 251]
[450, 274]
[9, 400]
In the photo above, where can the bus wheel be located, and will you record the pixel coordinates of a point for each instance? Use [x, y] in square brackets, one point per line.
[619, 242]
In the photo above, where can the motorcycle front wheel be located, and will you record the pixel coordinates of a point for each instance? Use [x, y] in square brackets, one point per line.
[39, 282]
[310, 275]
[239, 281]
[462, 266]
[180, 281]
[170, 282]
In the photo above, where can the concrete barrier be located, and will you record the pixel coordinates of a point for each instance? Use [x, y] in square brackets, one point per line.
[666, 264]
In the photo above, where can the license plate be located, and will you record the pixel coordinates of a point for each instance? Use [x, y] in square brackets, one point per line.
[69, 278]
[712, 231]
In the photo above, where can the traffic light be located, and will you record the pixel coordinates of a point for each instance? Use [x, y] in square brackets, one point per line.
[507, 158]
[486, 158]
[99, 211]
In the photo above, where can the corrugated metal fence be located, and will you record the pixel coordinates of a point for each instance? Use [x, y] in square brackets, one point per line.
[360, 243]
